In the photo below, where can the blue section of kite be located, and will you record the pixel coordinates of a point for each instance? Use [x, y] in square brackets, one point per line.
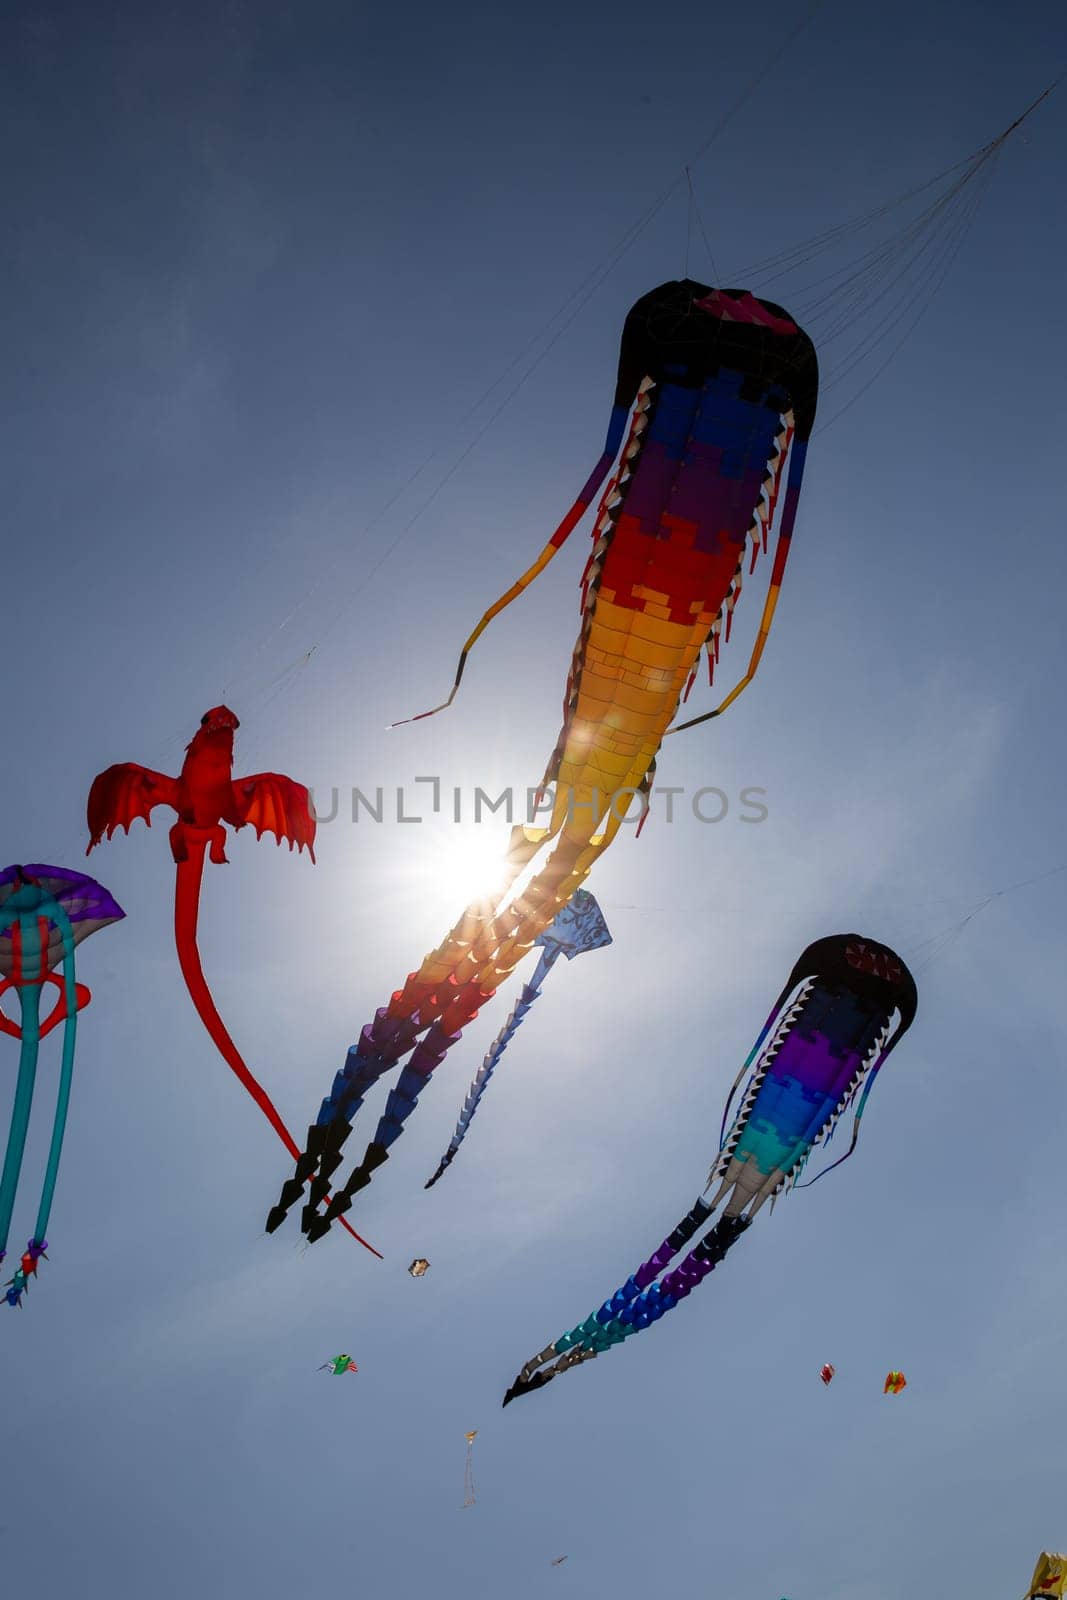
[579, 927]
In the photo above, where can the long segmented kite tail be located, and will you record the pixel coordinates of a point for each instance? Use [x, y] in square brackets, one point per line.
[381, 1044]
[463, 1004]
[415, 1075]
[639, 1302]
[480, 1081]
[186, 916]
[577, 927]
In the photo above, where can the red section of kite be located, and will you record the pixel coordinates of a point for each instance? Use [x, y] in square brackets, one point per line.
[207, 798]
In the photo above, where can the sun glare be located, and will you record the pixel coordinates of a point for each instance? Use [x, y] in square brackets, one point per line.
[471, 865]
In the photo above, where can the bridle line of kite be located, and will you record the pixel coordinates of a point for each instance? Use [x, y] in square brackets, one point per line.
[948, 248]
[855, 357]
[688, 222]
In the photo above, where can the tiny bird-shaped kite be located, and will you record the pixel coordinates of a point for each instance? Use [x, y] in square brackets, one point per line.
[206, 795]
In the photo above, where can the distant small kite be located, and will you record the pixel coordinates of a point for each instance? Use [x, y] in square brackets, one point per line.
[419, 1267]
[826, 1373]
[1050, 1577]
[468, 1474]
[895, 1381]
[339, 1365]
[557, 1561]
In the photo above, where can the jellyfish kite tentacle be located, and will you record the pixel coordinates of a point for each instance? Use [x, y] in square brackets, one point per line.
[38, 1244]
[639, 1302]
[30, 979]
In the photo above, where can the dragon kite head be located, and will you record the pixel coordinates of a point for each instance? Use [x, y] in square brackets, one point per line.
[218, 720]
[217, 728]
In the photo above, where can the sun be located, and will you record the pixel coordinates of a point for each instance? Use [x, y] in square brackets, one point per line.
[470, 864]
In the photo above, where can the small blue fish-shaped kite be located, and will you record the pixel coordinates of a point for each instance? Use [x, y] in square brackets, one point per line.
[579, 927]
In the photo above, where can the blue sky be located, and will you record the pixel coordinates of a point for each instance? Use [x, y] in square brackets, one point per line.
[261, 262]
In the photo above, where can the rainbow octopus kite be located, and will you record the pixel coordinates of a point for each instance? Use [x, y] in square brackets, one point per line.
[206, 795]
[44, 913]
[579, 927]
[848, 1002]
[723, 389]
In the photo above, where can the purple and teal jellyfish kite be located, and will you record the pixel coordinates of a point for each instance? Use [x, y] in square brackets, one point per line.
[44, 913]
[579, 927]
[847, 1003]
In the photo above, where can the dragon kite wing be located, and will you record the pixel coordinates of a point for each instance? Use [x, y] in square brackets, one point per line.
[275, 804]
[122, 794]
